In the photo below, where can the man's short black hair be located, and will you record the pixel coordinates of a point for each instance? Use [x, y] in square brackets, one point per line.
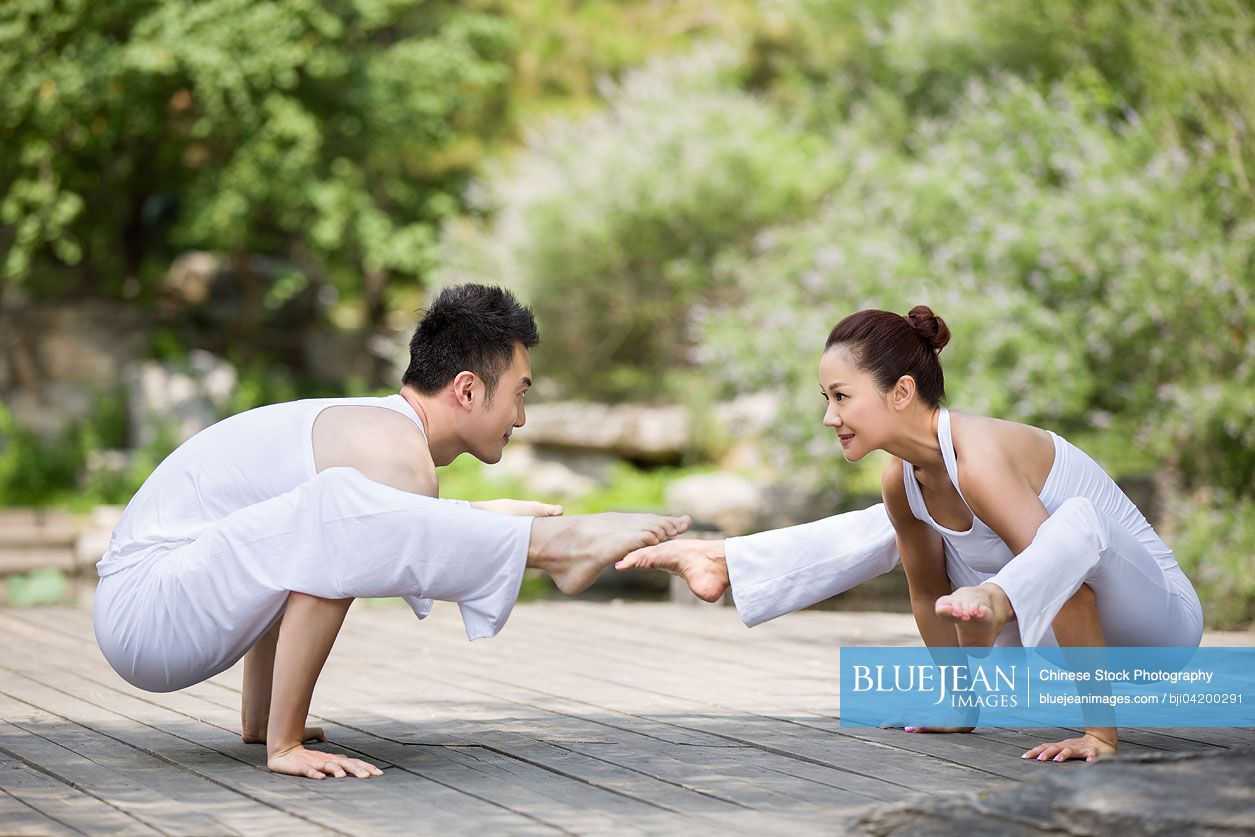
[468, 328]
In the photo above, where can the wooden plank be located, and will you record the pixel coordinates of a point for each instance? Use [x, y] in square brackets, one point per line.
[136, 799]
[684, 771]
[188, 750]
[576, 795]
[583, 718]
[17, 819]
[605, 688]
[909, 778]
[70, 809]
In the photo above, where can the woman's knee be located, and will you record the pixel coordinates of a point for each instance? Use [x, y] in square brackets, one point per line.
[1082, 518]
[1084, 597]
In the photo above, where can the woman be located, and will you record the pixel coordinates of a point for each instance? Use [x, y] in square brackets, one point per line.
[1008, 534]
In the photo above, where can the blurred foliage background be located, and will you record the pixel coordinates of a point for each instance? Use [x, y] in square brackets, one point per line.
[689, 195]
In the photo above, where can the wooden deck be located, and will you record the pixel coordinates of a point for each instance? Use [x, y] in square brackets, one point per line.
[580, 718]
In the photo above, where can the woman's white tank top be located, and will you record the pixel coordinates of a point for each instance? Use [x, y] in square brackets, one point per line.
[1073, 474]
[238, 462]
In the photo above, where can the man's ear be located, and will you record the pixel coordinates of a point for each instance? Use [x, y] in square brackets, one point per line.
[464, 389]
[903, 393]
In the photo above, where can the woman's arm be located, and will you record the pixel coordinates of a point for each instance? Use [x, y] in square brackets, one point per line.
[1000, 492]
[923, 559]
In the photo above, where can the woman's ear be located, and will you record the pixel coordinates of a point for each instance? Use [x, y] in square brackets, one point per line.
[903, 393]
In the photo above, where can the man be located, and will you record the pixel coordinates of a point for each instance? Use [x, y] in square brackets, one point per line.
[254, 537]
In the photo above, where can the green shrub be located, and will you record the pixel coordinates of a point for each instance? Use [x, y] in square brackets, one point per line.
[610, 225]
[1213, 537]
[1086, 286]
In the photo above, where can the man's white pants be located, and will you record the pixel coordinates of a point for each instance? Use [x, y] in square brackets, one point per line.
[1140, 602]
[190, 611]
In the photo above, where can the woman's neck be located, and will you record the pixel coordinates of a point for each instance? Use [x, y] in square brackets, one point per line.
[917, 442]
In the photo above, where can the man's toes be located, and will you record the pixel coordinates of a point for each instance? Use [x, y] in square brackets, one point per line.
[677, 525]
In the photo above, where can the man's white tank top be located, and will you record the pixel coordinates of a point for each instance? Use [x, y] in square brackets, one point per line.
[238, 462]
[1073, 474]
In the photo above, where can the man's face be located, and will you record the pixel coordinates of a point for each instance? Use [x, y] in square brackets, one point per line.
[495, 419]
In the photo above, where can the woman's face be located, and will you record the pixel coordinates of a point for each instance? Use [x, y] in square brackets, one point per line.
[857, 411]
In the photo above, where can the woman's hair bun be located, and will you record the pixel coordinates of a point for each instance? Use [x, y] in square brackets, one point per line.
[929, 326]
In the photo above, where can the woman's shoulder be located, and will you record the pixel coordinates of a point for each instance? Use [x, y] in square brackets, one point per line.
[982, 443]
[893, 491]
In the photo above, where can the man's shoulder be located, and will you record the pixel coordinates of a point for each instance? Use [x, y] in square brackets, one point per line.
[381, 443]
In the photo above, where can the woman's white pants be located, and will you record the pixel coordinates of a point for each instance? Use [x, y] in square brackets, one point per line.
[189, 611]
[1140, 601]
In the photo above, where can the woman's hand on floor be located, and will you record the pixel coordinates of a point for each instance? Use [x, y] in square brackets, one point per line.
[1088, 747]
[315, 764]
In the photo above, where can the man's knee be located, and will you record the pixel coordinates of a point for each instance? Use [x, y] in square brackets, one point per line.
[305, 600]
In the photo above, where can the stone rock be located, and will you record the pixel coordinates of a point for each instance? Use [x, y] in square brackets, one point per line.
[177, 399]
[93, 540]
[648, 434]
[749, 415]
[191, 277]
[56, 357]
[549, 473]
[635, 432]
[1211, 792]
[729, 502]
[332, 355]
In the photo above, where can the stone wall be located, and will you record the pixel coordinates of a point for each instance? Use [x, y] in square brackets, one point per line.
[55, 358]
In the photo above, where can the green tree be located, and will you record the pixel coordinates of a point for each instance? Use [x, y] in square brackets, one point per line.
[333, 135]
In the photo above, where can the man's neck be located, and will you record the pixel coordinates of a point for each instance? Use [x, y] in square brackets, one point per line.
[443, 443]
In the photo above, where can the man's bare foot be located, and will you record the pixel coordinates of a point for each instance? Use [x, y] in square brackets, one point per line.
[978, 613]
[574, 550]
[699, 562]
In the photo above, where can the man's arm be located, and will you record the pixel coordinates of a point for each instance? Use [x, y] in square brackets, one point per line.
[259, 665]
[387, 449]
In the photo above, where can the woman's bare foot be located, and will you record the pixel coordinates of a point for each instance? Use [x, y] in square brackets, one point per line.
[574, 550]
[699, 562]
[978, 613]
